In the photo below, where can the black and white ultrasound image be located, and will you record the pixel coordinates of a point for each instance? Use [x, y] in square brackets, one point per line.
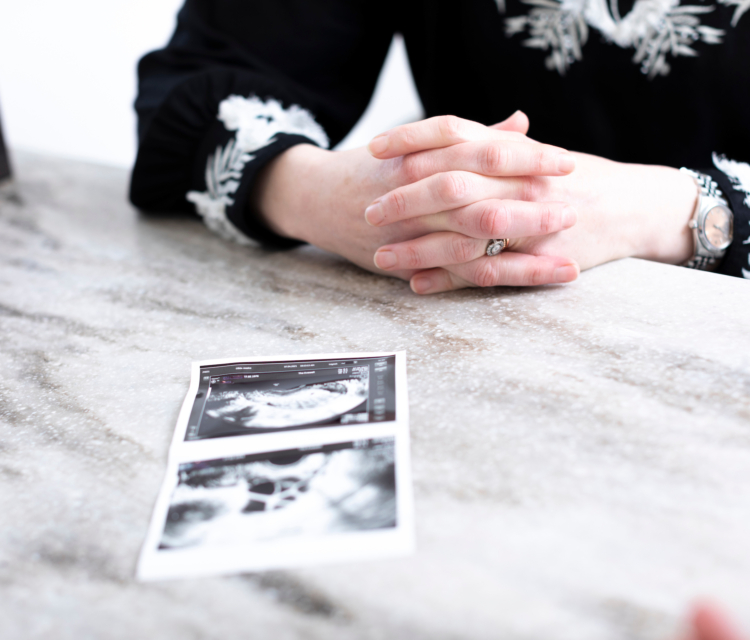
[333, 489]
[266, 406]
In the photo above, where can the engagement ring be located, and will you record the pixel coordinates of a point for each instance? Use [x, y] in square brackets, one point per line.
[495, 247]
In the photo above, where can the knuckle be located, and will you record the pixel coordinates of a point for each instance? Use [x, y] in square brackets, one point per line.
[450, 127]
[494, 219]
[548, 219]
[407, 136]
[413, 258]
[494, 159]
[398, 203]
[536, 275]
[542, 160]
[410, 169]
[486, 274]
[531, 189]
[461, 249]
[451, 187]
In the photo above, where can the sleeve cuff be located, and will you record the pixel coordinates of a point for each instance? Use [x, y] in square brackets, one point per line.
[736, 262]
[203, 149]
[226, 177]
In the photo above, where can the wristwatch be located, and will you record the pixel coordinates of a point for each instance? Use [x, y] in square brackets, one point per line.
[712, 224]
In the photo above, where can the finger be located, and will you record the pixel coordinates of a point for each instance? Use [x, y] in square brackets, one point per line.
[507, 269]
[493, 218]
[437, 281]
[461, 236]
[519, 122]
[489, 158]
[433, 250]
[710, 623]
[447, 191]
[433, 133]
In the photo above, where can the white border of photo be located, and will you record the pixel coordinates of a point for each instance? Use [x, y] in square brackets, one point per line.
[292, 551]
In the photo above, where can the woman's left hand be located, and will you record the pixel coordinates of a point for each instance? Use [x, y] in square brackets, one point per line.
[622, 210]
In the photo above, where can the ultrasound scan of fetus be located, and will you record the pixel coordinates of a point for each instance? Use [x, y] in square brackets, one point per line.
[231, 502]
[272, 408]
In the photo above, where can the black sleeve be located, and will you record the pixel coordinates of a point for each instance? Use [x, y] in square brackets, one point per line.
[240, 82]
[734, 180]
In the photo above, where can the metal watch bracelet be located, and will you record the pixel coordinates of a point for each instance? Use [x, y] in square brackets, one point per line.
[705, 256]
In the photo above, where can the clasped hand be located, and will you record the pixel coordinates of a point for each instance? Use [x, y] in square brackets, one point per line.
[434, 192]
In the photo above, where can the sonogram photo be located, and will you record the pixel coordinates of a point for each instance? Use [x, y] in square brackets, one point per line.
[277, 408]
[332, 489]
[246, 398]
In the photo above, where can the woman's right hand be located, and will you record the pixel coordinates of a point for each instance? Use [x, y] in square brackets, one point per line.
[320, 196]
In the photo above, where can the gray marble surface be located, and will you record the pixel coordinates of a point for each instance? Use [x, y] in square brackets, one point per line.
[581, 453]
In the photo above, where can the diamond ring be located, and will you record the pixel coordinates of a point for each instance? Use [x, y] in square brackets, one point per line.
[495, 247]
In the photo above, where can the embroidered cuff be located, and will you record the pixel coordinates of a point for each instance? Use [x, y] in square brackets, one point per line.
[734, 179]
[248, 134]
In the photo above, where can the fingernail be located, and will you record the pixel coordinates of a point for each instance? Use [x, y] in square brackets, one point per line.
[385, 259]
[378, 145]
[421, 284]
[565, 163]
[374, 214]
[569, 217]
[568, 273]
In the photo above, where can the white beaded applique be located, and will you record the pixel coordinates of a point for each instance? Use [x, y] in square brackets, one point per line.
[257, 124]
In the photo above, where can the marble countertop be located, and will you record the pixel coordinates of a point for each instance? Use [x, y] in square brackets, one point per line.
[581, 453]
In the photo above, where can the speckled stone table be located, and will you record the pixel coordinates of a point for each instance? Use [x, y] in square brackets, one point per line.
[581, 453]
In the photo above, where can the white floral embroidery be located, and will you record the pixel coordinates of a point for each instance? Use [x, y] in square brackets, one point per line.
[656, 29]
[257, 123]
[740, 7]
[739, 175]
[555, 26]
[737, 172]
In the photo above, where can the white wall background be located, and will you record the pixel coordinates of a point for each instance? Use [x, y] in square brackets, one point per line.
[67, 76]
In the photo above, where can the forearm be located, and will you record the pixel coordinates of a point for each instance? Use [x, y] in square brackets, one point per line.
[668, 198]
[624, 210]
[320, 196]
[283, 189]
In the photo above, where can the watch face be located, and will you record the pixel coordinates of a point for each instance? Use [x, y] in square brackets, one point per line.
[718, 227]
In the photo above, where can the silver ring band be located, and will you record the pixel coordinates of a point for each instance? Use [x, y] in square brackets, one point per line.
[495, 247]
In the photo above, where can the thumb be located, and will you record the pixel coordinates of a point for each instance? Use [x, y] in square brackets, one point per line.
[711, 623]
[519, 122]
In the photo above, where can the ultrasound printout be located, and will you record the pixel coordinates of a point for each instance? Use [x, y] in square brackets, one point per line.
[241, 398]
[283, 462]
[349, 486]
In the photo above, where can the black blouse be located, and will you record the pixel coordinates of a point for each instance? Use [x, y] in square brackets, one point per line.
[647, 81]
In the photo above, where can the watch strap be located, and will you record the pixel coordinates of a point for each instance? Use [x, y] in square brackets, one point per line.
[709, 189]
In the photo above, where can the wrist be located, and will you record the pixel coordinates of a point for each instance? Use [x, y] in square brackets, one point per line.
[283, 189]
[664, 234]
